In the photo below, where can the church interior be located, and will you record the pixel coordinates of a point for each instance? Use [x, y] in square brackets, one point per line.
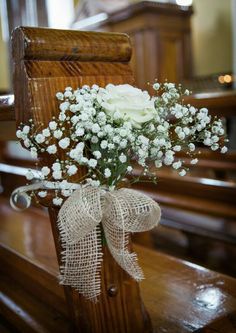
[191, 256]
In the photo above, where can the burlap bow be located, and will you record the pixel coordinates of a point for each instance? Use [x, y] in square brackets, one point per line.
[120, 212]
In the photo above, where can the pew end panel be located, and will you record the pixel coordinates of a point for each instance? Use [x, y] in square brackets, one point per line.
[45, 62]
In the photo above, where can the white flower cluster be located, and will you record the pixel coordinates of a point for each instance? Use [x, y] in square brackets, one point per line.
[104, 129]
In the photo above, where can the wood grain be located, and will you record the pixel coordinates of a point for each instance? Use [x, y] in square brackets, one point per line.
[181, 297]
[161, 38]
[46, 61]
[70, 45]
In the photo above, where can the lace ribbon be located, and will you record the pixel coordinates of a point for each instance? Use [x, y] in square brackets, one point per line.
[120, 212]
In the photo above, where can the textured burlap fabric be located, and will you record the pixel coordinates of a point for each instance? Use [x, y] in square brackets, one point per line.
[120, 212]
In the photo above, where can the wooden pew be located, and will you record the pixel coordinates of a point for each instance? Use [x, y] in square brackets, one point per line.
[199, 206]
[35, 302]
[180, 296]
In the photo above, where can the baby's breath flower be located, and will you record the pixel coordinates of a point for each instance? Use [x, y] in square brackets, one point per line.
[57, 201]
[42, 194]
[191, 146]
[122, 158]
[26, 129]
[107, 173]
[95, 128]
[52, 149]
[65, 105]
[129, 168]
[56, 166]
[45, 171]
[158, 164]
[104, 144]
[72, 169]
[156, 86]
[27, 143]
[215, 146]
[40, 138]
[92, 163]
[97, 154]
[62, 116]
[19, 134]
[57, 134]
[224, 150]
[177, 148]
[33, 152]
[46, 132]
[79, 131]
[64, 143]
[57, 174]
[177, 165]
[66, 193]
[194, 161]
[60, 96]
[52, 125]
[182, 173]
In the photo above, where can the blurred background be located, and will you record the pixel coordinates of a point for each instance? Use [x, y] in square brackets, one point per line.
[182, 41]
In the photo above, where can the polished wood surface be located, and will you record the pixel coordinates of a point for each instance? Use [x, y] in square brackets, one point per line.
[43, 66]
[180, 296]
[220, 103]
[43, 78]
[69, 45]
[161, 39]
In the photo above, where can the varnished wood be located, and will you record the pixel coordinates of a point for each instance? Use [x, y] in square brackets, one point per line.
[45, 62]
[161, 38]
[26, 313]
[69, 45]
[220, 103]
[181, 297]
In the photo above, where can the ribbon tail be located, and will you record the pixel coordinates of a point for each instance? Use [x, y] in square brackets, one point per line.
[118, 240]
[78, 224]
[128, 211]
[81, 264]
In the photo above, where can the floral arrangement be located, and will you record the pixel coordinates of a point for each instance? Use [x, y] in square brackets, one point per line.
[105, 130]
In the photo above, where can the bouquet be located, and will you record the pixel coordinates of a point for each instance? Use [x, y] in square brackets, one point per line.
[105, 130]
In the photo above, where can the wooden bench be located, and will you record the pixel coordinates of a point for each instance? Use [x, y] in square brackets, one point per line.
[34, 302]
[179, 296]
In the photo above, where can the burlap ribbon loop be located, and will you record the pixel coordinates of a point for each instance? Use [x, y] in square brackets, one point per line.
[80, 214]
[120, 212]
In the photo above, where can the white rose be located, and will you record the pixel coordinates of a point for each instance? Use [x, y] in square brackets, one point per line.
[128, 101]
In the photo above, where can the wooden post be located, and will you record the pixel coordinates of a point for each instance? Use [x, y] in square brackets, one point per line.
[45, 62]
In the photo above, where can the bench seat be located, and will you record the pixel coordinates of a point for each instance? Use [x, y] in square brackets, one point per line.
[179, 296]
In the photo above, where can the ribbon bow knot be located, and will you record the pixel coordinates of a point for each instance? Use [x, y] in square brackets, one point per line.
[120, 212]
